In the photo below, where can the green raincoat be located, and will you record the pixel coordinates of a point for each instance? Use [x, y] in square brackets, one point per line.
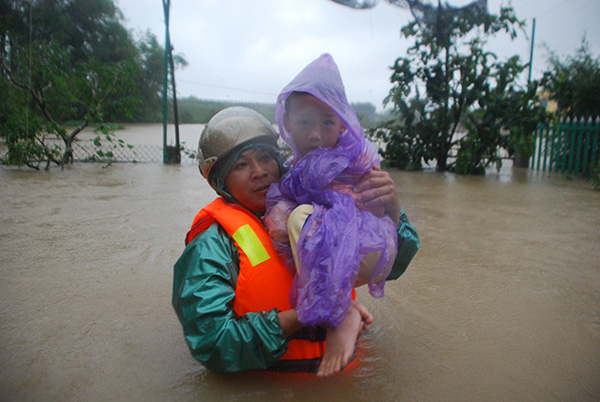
[204, 284]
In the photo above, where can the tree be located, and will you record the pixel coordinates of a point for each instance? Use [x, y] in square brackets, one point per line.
[451, 95]
[574, 83]
[68, 61]
[505, 116]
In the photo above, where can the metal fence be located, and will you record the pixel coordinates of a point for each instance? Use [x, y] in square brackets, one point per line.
[120, 152]
[569, 146]
[87, 151]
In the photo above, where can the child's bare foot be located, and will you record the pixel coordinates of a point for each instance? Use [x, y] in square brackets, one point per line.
[340, 343]
[365, 316]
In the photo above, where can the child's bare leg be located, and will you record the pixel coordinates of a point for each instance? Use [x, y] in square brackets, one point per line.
[295, 223]
[340, 343]
[366, 268]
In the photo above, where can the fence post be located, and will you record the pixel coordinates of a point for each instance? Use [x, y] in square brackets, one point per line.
[595, 142]
[553, 150]
[557, 164]
[566, 127]
[586, 148]
[539, 147]
[579, 138]
[546, 138]
[572, 146]
[535, 141]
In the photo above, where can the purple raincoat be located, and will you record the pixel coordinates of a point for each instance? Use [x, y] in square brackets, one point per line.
[340, 233]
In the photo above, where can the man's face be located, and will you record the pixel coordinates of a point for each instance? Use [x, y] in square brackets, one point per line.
[312, 123]
[250, 178]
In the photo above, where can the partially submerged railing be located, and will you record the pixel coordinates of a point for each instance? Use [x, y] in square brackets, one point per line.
[569, 146]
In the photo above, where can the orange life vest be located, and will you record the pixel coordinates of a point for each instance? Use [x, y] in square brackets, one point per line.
[263, 281]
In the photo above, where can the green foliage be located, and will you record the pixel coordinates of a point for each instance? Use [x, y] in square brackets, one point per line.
[26, 147]
[505, 118]
[145, 94]
[574, 83]
[451, 95]
[406, 155]
[191, 154]
[70, 61]
[403, 137]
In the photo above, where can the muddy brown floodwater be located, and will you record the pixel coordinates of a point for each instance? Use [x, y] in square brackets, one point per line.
[502, 302]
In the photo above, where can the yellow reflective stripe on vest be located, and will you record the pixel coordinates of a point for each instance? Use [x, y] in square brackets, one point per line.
[251, 245]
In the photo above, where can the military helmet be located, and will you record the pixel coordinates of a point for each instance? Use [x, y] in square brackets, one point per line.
[227, 130]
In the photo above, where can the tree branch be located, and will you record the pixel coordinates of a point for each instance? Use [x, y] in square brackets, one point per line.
[37, 97]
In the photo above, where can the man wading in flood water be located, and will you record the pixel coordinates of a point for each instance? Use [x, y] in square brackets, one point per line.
[230, 288]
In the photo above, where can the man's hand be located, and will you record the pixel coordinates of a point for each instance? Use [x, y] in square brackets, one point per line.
[288, 320]
[376, 193]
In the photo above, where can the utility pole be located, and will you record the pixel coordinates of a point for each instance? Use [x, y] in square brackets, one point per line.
[531, 52]
[170, 154]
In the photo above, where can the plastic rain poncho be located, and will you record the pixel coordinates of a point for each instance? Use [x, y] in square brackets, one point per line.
[337, 236]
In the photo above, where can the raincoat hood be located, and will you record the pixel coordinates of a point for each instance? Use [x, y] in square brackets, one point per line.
[322, 79]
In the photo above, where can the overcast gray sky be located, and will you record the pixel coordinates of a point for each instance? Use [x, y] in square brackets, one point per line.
[248, 50]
